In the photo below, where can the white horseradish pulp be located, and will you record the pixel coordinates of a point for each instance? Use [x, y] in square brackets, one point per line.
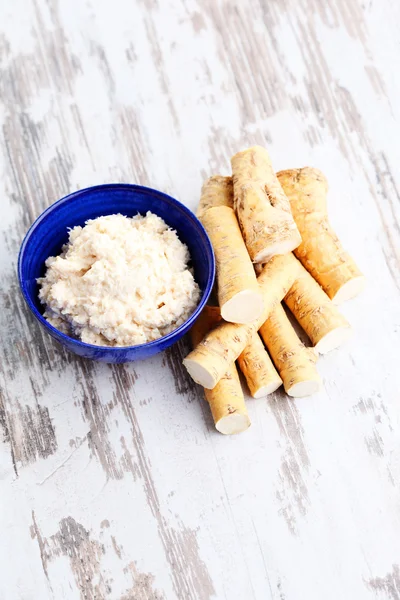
[119, 281]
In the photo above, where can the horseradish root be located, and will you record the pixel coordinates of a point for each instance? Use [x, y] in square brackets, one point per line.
[211, 358]
[227, 404]
[297, 259]
[321, 252]
[239, 295]
[316, 313]
[216, 191]
[261, 206]
[258, 369]
[226, 400]
[295, 362]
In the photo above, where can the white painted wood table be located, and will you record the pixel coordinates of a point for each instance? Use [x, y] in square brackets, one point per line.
[114, 484]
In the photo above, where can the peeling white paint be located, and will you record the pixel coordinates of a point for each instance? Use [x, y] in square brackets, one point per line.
[113, 482]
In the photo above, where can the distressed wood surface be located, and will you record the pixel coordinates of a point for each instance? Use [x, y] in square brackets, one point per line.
[113, 482]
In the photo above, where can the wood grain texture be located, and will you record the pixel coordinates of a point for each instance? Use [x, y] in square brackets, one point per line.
[113, 483]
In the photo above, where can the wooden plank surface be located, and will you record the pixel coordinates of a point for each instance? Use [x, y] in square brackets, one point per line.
[113, 482]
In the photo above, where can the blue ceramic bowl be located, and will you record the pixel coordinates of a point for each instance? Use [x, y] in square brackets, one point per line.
[50, 231]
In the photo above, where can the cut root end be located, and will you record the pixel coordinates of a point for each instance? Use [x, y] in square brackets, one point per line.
[303, 388]
[200, 374]
[267, 389]
[234, 423]
[350, 290]
[278, 248]
[244, 307]
[333, 340]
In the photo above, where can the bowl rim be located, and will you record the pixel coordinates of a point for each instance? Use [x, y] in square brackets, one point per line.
[131, 186]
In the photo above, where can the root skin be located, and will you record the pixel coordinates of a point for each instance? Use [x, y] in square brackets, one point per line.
[320, 251]
[211, 358]
[257, 367]
[261, 206]
[294, 362]
[226, 400]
